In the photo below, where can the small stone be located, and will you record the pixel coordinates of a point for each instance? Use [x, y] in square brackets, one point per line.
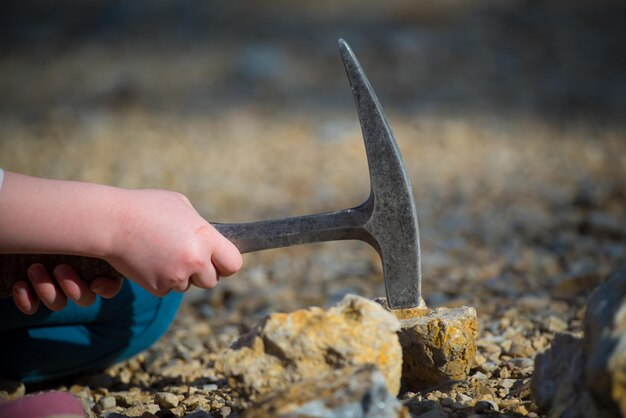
[518, 409]
[553, 324]
[286, 348]
[507, 383]
[479, 359]
[460, 397]
[142, 410]
[486, 405]
[224, 411]
[166, 400]
[478, 375]
[521, 362]
[107, 402]
[11, 389]
[359, 393]
[178, 411]
[488, 367]
[216, 404]
[126, 399]
[520, 347]
[437, 346]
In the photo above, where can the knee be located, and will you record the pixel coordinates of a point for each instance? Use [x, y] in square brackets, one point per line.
[139, 323]
[79, 340]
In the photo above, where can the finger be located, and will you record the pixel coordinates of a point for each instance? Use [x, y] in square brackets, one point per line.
[24, 299]
[50, 295]
[107, 287]
[226, 258]
[206, 278]
[73, 286]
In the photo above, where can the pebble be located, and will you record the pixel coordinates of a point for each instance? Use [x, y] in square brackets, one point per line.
[553, 324]
[142, 410]
[519, 409]
[460, 397]
[11, 389]
[507, 383]
[486, 405]
[166, 400]
[224, 411]
[107, 402]
[521, 362]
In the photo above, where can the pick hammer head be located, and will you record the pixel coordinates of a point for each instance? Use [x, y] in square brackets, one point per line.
[392, 227]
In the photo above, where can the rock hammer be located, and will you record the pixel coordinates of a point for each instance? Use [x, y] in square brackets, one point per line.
[387, 220]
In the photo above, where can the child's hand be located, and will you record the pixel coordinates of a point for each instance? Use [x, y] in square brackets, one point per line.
[54, 293]
[153, 237]
[163, 244]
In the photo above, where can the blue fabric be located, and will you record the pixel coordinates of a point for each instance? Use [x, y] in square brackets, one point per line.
[50, 345]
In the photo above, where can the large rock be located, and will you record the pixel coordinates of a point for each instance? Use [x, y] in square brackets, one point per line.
[437, 345]
[557, 383]
[286, 348]
[605, 342]
[587, 376]
[355, 393]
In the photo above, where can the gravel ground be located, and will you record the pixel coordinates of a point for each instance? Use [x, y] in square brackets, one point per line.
[518, 168]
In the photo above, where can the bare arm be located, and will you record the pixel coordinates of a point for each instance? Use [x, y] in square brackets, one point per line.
[154, 237]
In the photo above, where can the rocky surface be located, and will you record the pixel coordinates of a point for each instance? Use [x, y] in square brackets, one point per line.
[509, 116]
[286, 348]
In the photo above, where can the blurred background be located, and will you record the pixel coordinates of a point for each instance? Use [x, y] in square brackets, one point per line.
[511, 116]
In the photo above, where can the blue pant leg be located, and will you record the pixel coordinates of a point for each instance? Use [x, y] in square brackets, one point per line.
[50, 345]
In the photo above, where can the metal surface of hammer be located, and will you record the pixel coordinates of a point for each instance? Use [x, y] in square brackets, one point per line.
[387, 220]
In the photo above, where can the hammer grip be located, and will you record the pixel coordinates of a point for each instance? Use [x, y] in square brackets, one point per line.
[13, 268]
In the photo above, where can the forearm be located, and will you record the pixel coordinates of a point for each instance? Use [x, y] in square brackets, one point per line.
[54, 216]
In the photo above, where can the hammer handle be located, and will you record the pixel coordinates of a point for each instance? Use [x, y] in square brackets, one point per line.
[13, 267]
[247, 237]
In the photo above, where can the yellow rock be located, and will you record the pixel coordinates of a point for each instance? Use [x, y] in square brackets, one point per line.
[285, 348]
[437, 345]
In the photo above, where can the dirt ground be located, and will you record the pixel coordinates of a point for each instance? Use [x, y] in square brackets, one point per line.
[510, 117]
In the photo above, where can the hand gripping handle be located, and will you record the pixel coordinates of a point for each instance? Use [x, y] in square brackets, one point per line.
[247, 237]
[13, 267]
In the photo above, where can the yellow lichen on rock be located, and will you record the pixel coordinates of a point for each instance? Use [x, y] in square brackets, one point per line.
[289, 347]
[437, 345]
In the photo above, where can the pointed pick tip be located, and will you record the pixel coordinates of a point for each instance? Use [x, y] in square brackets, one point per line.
[343, 45]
